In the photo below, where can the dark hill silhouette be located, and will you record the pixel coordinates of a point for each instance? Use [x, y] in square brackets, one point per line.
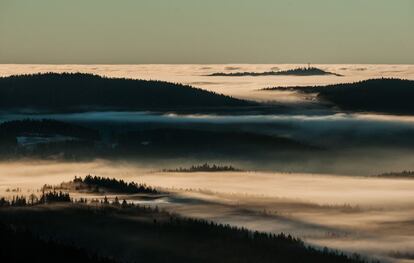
[310, 71]
[184, 142]
[46, 127]
[51, 139]
[134, 233]
[46, 138]
[78, 91]
[394, 96]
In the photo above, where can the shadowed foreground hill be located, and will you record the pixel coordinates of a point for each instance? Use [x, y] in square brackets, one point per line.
[67, 92]
[129, 233]
[393, 96]
[19, 245]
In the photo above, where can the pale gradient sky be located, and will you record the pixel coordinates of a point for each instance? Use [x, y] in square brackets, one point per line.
[200, 31]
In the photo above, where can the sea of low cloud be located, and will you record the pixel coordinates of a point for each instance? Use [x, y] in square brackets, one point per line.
[241, 87]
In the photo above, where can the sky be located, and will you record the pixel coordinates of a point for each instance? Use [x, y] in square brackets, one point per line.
[205, 32]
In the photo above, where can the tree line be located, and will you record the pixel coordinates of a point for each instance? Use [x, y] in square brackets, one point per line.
[32, 199]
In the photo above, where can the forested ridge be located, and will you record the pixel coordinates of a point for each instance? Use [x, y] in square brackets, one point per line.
[80, 91]
[384, 95]
[104, 229]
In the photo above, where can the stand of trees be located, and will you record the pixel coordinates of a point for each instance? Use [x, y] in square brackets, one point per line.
[204, 168]
[97, 183]
[54, 197]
